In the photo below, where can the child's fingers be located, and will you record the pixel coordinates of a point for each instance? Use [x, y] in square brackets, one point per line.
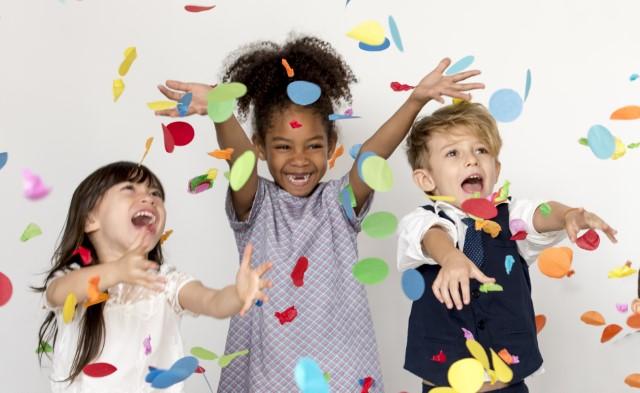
[464, 286]
[170, 94]
[173, 112]
[262, 269]
[572, 232]
[467, 86]
[266, 284]
[444, 63]
[444, 290]
[454, 289]
[246, 256]
[177, 85]
[479, 276]
[436, 289]
[465, 75]
[610, 232]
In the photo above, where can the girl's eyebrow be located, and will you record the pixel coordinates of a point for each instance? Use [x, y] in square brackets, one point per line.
[280, 139]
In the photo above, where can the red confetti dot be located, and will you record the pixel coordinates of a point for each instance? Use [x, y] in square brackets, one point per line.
[295, 124]
[297, 275]
[98, 370]
[198, 8]
[6, 289]
[287, 315]
[182, 132]
[169, 143]
[200, 370]
[519, 236]
[366, 385]
[397, 86]
[440, 357]
[84, 253]
[589, 241]
[479, 207]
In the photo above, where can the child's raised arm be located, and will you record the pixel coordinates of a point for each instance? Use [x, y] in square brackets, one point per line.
[572, 220]
[390, 135]
[230, 134]
[231, 300]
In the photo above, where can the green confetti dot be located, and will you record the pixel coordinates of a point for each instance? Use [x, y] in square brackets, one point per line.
[490, 287]
[633, 145]
[376, 173]
[226, 359]
[583, 141]
[545, 209]
[327, 377]
[44, 347]
[203, 353]
[370, 270]
[227, 92]
[380, 224]
[32, 230]
[220, 111]
[242, 169]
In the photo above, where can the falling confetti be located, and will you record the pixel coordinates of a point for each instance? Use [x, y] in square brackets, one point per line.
[198, 8]
[130, 54]
[98, 370]
[287, 315]
[32, 230]
[397, 86]
[297, 275]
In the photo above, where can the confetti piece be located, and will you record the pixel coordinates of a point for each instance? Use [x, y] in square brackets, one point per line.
[489, 227]
[227, 91]
[366, 384]
[294, 124]
[622, 271]
[601, 142]
[225, 360]
[222, 111]
[545, 209]
[442, 198]
[202, 182]
[609, 332]
[477, 351]
[147, 147]
[583, 141]
[242, 169]
[631, 112]
[222, 154]
[370, 32]
[622, 307]
[303, 92]
[376, 173]
[589, 241]
[395, 34]
[370, 271]
[287, 315]
[94, 296]
[508, 263]
[3, 159]
[178, 372]
[397, 86]
[6, 289]
[130, 54]
[527, 86]
[165, 236]
[32, 230]
[184, 103]
[541, 321]
[465, 376]
[460, 65]
[479, 207]
[380, 224]
[505, 105]
[506, 356]
[84, 253]
[287, 67]
[146, 344]
[339, 116]
[490, 287]
[169, 144]
[117, 88]
[203, 353]
[198, 8]
[503, 372]
[182, 132]
[440, 357]
[467, 334]
[44, 347]
[375, 48]
[413, 284]
[633, 77]
[555, 262]
[297, 275]
[633, 380]
[34, 188]
[69, 307]
[98, 370]
[634, 321]
[620, 150]
[259, 303]
[161, 105]
[327, 377]
[339, 151]
[355, 149]
[200, 370]
[519, 236]
[517, 225]
[309, 377]
[348, 201]
[630, 146]
[593, 318]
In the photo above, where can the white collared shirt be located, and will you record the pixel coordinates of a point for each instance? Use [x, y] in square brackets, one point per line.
[415, 225]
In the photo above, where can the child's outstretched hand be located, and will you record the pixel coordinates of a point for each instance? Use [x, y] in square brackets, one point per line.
[134, 267]
[578, 219]
[436, 84]
[249, 283]
[453, 278]
[175, 90]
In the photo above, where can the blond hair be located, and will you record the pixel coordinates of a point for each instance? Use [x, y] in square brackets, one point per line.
[473, 116]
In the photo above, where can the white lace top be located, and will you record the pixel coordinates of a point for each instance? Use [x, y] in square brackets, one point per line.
[131, 314]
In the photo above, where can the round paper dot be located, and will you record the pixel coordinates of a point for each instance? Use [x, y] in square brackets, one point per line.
[505, 105]
[375, 48]
[380, 224]
[6, 289]
[242, 169]
[370, 270]
[303, 92]
[221, 111]
[376, 173]
[227, 92]
[413, 284]
[601, 142]
[466, 375]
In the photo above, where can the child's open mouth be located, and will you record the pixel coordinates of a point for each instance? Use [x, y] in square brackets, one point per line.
[299, 179]
[143, 218]
[472, 184]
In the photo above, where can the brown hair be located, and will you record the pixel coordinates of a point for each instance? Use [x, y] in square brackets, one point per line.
[474, 116]
[84, 199]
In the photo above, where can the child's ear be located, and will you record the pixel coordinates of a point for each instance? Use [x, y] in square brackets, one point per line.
[259, 144]
[498, 167]
[91, 224]
[424, 180]
[333, 141]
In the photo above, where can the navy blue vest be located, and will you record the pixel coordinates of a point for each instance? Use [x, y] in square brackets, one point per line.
[497, 319]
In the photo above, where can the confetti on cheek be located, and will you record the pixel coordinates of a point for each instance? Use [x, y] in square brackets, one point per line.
[440, 357]
[397, 86]
[297, 275]
[198, 8]
[147, 345]
[287, 315]
[294, 124]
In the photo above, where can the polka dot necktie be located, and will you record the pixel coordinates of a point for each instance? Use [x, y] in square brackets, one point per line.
[473, 242]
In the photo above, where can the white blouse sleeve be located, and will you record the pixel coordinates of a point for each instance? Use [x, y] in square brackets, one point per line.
[176, 280]
[535, 242]
[411, 230]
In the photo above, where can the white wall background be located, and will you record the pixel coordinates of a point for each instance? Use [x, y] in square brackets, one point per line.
[58, 119]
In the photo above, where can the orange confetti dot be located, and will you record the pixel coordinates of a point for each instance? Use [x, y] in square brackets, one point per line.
[541, 320]
[630, 112]
[610, 332]
[287, 67]
[633, 380]
[337, 153]
[634, 321]
[592, 318]
[222, 154]
[94, 296]
[506, 356]
[555, 262]
[165, 236]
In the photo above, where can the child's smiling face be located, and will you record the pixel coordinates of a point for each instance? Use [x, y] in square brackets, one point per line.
[297, 157]
[459, 165]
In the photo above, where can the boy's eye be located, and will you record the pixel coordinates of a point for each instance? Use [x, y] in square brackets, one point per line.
[128, 187]
[452, 153]
[482, 150]
[156, 193]
[282, 147]
[316, 146]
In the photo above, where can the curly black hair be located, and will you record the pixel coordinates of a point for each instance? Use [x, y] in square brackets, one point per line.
[259, 66]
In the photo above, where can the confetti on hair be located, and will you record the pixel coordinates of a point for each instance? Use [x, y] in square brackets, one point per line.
[288, 68]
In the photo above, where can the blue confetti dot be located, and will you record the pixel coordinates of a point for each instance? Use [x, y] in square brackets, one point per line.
[508, 263]
[355, 149]
[460, 65]
[413, 284]
[633, 77]
[303, 92]
[259, 303]
[375, 48]
[601, 142]
[505, 105]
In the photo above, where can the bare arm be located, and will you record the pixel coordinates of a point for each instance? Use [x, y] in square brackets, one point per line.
[385, 141]
[570, 219]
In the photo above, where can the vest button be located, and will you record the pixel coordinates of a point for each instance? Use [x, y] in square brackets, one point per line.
[481, 324]
[475, 294]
